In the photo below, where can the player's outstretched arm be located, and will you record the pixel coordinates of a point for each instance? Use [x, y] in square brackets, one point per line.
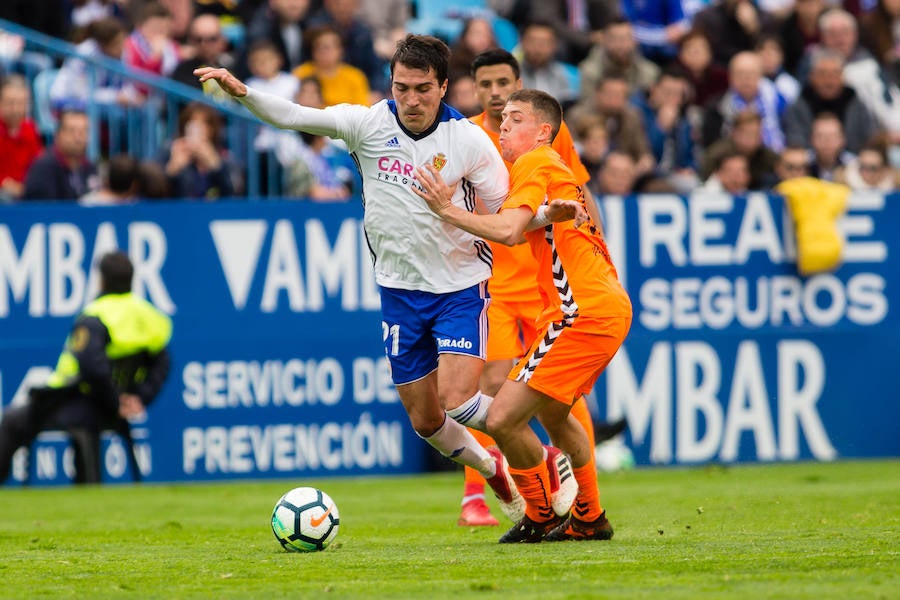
[270, 108]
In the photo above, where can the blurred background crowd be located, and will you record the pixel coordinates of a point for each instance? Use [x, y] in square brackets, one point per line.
[98, 102]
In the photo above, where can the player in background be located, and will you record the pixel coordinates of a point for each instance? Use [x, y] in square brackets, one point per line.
[515, 299]
[586, 316]
[431, 276]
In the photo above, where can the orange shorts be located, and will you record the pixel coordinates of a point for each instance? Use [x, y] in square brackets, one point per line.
[511, 327]
[565, 362]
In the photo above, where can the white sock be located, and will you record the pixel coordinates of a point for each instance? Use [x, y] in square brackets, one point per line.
[456, 443]
[473, 412]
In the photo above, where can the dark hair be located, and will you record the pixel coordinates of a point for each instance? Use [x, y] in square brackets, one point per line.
[105, 30]
[495, 56]
[423, 52]
[313, 34]
[262, 44]
[152, 182]
[122, 173]
[116, 270]
[728, 155]
[544, 104]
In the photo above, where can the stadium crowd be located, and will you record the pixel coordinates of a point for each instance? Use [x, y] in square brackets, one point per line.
[666, 96]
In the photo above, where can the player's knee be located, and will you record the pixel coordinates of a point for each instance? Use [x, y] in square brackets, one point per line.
[426, 425]
[496, 427]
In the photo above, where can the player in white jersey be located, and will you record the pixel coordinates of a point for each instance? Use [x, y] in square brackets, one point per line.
[431, 275]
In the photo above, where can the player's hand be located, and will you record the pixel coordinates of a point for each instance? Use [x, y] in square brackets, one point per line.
[436, 193]
[224, 78]
[566, 210]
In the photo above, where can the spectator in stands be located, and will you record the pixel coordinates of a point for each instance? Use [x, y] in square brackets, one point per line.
[78, 81]
[461, 96]
[282, 22]
[792, 162]
[210, 49]
[829, 147]
[622, 121]
[708, 80]
[150, 46]
[771, 54]
[825, 91]
[799, 31]
[356, 35]
[266, 74]
[731, 175]
[151, 182]
[880, 34]
[266, 71]
[63, 171]
[539, 67]
[316, 167]
[732, 26]
[578, 25]
[616, 54]
[658, 26]
[477, 35]
[197, 166]
[617, 175]
[119, 183]
[20, 142]
[870, 170]
[592, 143]
[862, 72]
[341, 82]
[745, 137]
[669, 131]
[387, 19]
[747, 89]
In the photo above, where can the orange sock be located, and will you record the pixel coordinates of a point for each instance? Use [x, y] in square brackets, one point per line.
[474, 482]
[581, 412]
[534, 485]
[587, 502]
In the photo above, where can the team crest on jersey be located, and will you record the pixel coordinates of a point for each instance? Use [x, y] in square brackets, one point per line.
[439, 160]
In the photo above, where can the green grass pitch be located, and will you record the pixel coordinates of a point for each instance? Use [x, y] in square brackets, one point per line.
[806, 530]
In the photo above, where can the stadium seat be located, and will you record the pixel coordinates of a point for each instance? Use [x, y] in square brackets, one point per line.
[506, 33]
[43, 111]
[441, 9]
[573, 77]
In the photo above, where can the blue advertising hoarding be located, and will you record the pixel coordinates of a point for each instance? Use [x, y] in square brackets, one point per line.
[278, 366]
[732, 355]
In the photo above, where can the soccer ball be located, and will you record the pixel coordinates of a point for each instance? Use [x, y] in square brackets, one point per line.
[305, 520]
[613, 455]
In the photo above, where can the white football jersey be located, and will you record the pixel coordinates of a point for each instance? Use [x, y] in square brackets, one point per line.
[412, 248]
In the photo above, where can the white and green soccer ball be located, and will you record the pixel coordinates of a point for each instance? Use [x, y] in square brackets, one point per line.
[305, 519]
[613, 455]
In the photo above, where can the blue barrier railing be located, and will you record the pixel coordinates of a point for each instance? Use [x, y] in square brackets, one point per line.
[141, 131]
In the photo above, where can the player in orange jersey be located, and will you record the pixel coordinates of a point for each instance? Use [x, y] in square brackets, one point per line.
[515, 301]
[586, 316]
